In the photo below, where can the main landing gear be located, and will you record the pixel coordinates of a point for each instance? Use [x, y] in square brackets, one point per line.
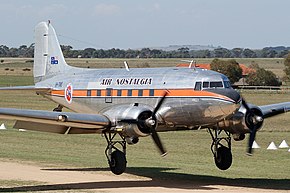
[222, 153]
[116, 155]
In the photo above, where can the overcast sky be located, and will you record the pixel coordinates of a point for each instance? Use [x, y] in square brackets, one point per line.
[135, 24]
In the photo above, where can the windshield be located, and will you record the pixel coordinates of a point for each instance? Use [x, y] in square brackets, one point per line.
[212, 84]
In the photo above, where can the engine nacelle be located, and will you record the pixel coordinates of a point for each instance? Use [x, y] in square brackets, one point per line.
[240, 123]
[131, 121]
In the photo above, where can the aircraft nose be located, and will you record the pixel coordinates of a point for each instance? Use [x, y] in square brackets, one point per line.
[230, 93]
[234, 95]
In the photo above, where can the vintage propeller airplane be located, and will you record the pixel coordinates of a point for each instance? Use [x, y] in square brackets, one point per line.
[125, 104]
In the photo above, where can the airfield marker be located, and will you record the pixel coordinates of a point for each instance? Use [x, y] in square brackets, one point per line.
[255, 145]
[272, 146]
[2, 127]
[283, 144]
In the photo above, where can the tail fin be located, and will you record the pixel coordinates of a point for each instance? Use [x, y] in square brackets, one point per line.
[48, 57]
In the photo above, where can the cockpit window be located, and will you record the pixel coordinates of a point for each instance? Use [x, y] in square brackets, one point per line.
[227, 84]
[216, 85]
[205, 84]
[197, 86]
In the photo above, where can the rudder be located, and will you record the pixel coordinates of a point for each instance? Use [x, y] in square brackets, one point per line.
[48, 57]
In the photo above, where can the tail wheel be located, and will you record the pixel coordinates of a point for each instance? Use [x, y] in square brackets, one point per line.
[118, 162]
[223, 158]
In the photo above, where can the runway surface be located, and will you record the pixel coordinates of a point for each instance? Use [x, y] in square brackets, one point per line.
[28, 177]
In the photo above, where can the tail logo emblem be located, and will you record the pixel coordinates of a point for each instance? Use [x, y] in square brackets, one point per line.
[68, 93]
[53, 60]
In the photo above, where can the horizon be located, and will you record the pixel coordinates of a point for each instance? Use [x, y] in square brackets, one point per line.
[130, 24]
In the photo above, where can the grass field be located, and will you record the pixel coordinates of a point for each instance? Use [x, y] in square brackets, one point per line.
[19, 64]
[189, 155]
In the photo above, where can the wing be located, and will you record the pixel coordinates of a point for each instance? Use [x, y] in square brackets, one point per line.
[275, 109]
[26, 88]
[56, 122]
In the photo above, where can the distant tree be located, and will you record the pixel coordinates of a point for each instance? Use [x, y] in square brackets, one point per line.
[13, 52]
[100, 53]
[269, 52]
[248, 53]
[237, 52]
[222, 53]
[262, 77]
[66, 50]
[156, 53]
[283, 54]
[183, 52]
[287, 67]
[29, 51]
[145, 53]
[22, 50]
[88, 52]
[131, 53]
[230, 68]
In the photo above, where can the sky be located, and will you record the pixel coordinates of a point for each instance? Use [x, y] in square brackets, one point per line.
[133, 24]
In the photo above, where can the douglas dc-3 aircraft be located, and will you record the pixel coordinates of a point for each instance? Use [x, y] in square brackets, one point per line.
[126, 104]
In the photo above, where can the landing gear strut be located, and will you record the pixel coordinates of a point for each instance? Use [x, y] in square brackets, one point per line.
[116, 157]
[222, 153]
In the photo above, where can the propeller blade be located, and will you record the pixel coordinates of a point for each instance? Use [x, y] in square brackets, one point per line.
[245, 104]
[154, 134]
[252, 127]
[159, 103]
[251, 140]
[158, 142]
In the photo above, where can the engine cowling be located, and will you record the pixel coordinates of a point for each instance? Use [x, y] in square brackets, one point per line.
[240, 123]
[132, 121]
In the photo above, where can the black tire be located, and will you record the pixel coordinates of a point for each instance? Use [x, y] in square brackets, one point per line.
[223, 159]
[118, 162]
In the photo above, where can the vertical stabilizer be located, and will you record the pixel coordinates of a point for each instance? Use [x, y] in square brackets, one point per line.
[48, 57]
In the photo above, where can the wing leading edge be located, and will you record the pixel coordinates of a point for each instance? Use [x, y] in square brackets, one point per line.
[275, 109]
[56, 122]
[26, 88]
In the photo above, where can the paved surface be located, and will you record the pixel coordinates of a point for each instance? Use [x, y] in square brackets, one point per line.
[56, 179]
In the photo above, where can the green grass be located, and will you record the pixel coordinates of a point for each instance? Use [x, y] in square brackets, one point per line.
[14, 80]
[189, 157]
[276, 64]
[189, 153]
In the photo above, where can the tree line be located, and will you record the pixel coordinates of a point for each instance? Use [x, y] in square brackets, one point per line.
[184, 52]
[257, 77]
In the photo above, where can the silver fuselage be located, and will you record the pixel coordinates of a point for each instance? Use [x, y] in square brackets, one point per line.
[187, 106]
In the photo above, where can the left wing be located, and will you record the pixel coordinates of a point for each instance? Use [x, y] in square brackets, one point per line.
[56, 122]
[26, 88]
[275, 109]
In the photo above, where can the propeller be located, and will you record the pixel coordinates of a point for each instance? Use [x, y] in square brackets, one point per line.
[253, 119]
[150, 123]
[152, 127]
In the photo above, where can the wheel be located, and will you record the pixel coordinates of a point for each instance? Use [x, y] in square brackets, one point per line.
[118, 162]
[223, 159]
